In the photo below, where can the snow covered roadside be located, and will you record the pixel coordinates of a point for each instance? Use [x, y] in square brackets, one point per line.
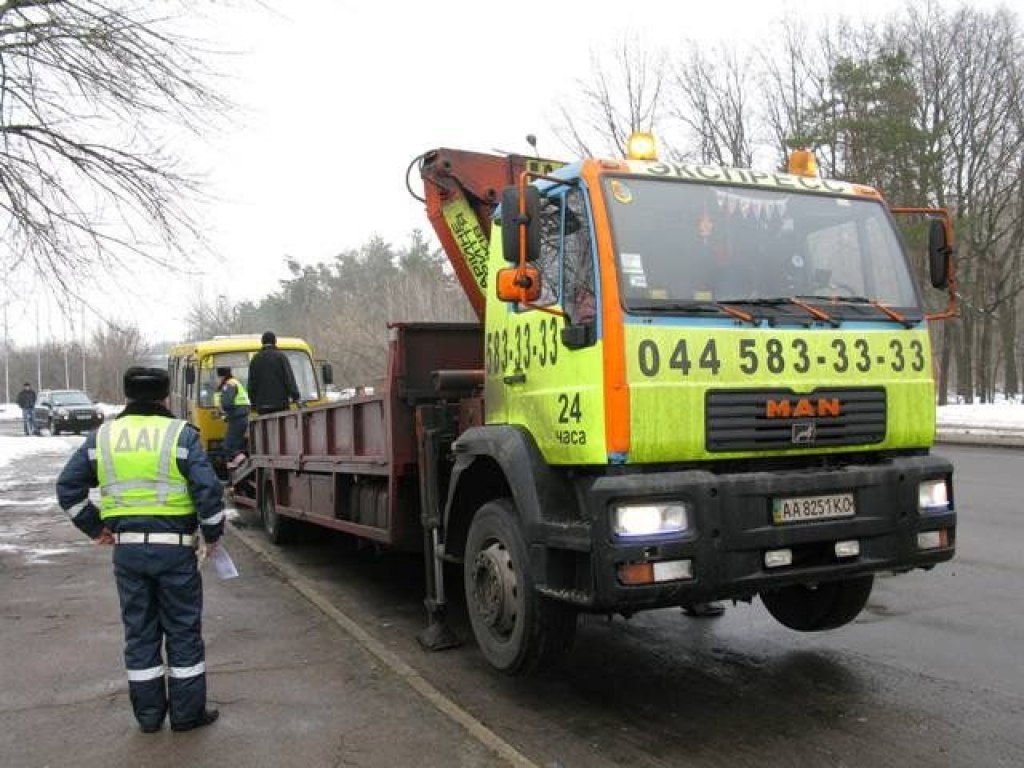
[999, 421]
[16, 446]
[997, 416]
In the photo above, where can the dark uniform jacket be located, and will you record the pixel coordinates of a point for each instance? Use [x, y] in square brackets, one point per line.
[271, 381]
[206, 491]
[26, 398]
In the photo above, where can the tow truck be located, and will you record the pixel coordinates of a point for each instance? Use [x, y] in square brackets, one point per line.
[687, 383]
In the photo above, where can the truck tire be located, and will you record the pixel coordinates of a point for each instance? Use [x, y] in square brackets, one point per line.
[279, 529]
[518, 631]
[828, 605]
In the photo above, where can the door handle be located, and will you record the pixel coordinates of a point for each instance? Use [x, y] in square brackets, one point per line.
[516, 378]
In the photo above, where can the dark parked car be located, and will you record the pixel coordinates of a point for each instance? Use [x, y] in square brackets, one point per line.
[66, 410]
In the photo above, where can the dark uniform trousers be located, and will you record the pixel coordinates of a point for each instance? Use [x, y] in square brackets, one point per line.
[161, 595]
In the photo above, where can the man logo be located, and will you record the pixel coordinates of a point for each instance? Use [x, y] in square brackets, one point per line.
[803, 433]
[822, 407]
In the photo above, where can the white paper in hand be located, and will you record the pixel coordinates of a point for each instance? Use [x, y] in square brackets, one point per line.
[223, 566]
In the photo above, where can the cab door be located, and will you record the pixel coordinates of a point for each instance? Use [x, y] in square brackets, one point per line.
[549, 354]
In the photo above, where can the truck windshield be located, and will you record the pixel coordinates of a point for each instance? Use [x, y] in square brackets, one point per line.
[238, 362]
[682, 245]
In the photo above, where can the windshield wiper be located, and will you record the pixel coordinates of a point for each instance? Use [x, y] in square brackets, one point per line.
[892, 314]
[781, 301]
[694, 307]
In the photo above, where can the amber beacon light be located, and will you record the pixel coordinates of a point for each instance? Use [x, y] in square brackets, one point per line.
[802, 163]
[641, 146]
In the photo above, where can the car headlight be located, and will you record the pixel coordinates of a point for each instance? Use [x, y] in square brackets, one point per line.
[933, 496]
[649, 519]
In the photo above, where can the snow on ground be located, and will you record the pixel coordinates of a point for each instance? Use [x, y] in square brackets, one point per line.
[977, 418]
[1008, 414]
[17, 446]
[1000, 419]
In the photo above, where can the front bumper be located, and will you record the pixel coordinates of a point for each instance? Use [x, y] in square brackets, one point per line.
[731, 528]
[76, 422]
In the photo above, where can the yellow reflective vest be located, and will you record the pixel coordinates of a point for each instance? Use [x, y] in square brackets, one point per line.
[136, 463]
[241, 396]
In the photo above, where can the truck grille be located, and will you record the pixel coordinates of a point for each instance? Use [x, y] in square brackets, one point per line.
[763, 419]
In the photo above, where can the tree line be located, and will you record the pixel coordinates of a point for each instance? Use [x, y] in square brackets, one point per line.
[341, 306]
[927, 106]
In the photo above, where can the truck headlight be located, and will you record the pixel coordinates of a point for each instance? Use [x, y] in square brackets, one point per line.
[933, 496]
[649, 519]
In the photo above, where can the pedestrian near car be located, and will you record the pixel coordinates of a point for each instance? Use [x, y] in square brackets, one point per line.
[157, 489]
[234, 403]
[27, 403]
[272, 384]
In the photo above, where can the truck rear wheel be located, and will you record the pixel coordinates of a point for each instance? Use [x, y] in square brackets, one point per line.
[828, 605]
[279, 529]
[517, 630]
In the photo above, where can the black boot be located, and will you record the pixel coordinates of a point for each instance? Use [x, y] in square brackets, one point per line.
[208, 717]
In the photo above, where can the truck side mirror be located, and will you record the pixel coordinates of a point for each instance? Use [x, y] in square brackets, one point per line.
[190, 374]
[938, 253]
[327, 374]
[511, 222]
[521, 284]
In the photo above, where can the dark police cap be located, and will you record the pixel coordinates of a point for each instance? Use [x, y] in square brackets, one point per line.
[223, 371]
[146, 383]
[268, 337]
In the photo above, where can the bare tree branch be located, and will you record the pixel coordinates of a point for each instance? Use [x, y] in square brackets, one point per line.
[94, 97]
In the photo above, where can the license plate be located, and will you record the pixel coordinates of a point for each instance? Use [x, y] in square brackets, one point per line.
[801, 509]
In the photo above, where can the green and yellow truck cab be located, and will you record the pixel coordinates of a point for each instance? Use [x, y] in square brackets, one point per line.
[701, 382]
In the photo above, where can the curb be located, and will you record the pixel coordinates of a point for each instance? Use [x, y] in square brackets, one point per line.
[983, 438]
[488, 738]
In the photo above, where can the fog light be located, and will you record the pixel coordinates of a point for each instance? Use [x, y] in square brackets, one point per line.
[847, 548]
[634, 574]
[777, 558]
[933, 539]
[673, 570]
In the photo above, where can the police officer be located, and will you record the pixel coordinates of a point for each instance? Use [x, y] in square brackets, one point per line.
[233, 401]
[156, 488]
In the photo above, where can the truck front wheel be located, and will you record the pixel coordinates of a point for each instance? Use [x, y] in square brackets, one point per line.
[278, 528]
[828, 605]
[517, 630]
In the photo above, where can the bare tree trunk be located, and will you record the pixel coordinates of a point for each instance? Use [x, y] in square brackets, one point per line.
[1008, 352]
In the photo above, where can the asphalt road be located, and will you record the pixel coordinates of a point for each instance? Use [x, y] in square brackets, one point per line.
[931, 674]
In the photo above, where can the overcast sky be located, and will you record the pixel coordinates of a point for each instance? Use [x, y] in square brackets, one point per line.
[339, 97]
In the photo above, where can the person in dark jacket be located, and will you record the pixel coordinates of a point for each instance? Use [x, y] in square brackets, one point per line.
[272, 384]
[27, 403]
[157, 487]
[234, 403]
